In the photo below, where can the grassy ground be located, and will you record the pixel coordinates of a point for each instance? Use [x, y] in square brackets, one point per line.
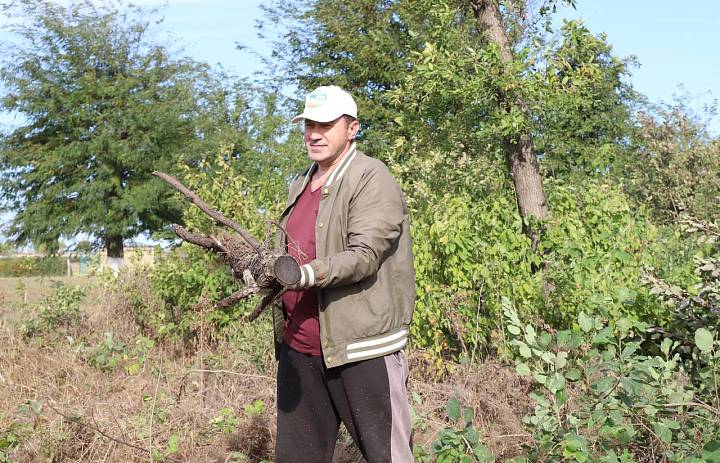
[98, 390]
[32, 289]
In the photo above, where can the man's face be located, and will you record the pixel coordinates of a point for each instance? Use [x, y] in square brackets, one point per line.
[325, 141]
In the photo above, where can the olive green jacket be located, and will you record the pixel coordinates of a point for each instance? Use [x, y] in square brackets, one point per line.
[363, 269]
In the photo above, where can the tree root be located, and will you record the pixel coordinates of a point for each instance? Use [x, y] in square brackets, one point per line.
[262, 269]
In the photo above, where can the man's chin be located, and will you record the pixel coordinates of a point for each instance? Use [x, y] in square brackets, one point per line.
[317, 155]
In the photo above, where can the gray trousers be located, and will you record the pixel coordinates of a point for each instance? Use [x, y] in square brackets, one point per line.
[368, 396]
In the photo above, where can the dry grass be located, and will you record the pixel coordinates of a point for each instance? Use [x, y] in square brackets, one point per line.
[497, 395]
[15, 291]
[169, 395]
[83, 414]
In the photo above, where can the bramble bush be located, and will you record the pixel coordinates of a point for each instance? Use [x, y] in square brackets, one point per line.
[112, 353]
[695, 301]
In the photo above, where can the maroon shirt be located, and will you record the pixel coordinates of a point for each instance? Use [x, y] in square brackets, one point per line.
[302, 328]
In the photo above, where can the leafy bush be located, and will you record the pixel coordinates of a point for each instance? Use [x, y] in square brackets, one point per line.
[694, 303]
[470, 251]
[59, 311]
[595, 248]
[10, 437]
[179, 280]
[599, 398]
[460, 443]
[226, 421]
[33, 266]
[112, 353]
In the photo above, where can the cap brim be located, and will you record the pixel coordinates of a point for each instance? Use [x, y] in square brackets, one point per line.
[317, 116]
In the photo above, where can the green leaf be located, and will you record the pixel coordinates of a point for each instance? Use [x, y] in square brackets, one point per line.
[665, 346]
[586, 323]
[524, 349]
[711, 452]
[544, 339]
[173, 444]
[514, 330]
[630, 349]
[555, 382]
[452, 409]
[704, 340]
[624, 325]
[631, 386]
[468, 415]
[663, 432]
[671, 424]
[529, 334]
[523, 369]
[574, 443]
[604, 336]
[483, 454]
[573, 374]
[564, 338]
[603, 385]
[560, 360]
[471, 435]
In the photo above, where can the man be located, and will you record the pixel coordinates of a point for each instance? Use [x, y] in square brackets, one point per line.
[340, 333]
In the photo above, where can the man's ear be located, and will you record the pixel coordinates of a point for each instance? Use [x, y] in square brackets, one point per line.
[353, 129]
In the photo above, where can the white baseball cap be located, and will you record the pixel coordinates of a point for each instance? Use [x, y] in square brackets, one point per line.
[325, 104]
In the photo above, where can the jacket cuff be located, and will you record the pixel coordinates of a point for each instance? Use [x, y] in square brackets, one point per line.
[310, 275]
[307, 276]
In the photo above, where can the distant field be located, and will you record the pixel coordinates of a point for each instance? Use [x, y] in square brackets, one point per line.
[14, 290]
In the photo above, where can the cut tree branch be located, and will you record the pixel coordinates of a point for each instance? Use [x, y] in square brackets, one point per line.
[197, 239]
[262, 269]
[217, 215]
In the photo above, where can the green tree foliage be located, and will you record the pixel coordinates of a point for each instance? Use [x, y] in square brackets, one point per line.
[674, 165]
[104, 106]
[583, 104]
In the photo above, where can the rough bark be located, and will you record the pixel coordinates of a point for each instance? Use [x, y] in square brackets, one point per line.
[263, 270]
[114, 246]
[115, 252]
[520, 154]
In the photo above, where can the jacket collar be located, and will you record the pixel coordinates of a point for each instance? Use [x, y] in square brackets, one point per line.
[342, 167]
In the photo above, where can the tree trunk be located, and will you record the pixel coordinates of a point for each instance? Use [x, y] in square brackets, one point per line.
[520, 154]
[115, 252]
